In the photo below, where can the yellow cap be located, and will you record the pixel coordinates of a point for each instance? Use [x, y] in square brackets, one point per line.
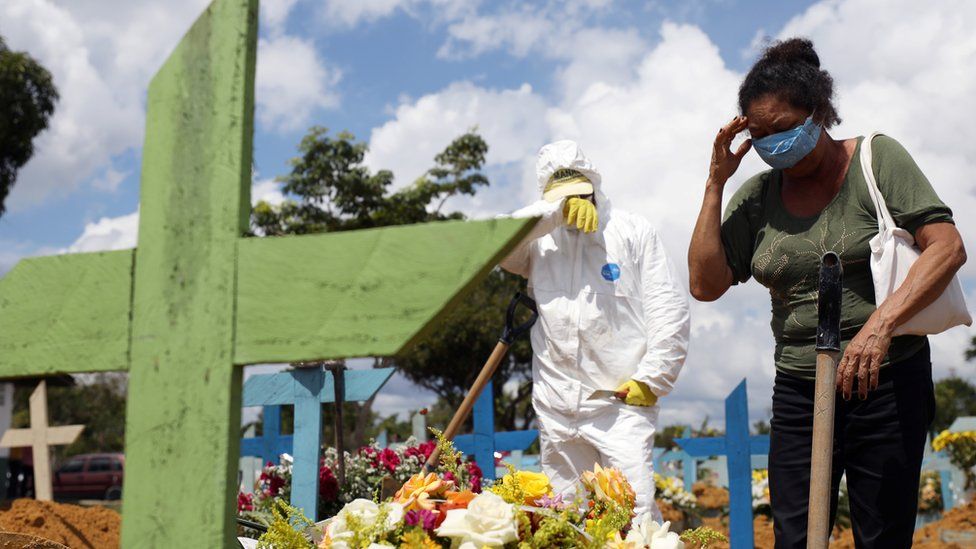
[566, 182]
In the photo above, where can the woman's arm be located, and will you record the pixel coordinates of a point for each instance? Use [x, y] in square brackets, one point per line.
[708, 269]
[943, 253]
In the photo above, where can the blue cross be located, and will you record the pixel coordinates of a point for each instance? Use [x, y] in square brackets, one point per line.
[483, 442]
[307, 389]
[271, 444]
[738, 446]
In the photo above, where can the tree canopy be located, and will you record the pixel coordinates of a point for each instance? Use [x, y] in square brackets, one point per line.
[27, 98]
[954, 397]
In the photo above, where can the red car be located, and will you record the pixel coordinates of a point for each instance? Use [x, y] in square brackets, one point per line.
[96, 476]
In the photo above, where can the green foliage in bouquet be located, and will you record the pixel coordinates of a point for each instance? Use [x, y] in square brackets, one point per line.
[286, 530]
[450, 457]
[613, 518]
[703, 536]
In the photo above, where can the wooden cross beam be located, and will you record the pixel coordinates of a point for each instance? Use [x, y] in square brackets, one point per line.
[40, 437]
[307, 389]
[483, 442]
[196, 300]
[738, 446]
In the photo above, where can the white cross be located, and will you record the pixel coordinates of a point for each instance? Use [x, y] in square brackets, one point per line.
[40, 437]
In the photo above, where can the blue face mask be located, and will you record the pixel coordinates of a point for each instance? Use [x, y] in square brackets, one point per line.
[784, 149]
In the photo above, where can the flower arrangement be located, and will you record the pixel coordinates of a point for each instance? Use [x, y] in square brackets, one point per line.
[366, 470]
[962, 452]
[760, 492]
[440, 509]
[672, 491]
[930, 493]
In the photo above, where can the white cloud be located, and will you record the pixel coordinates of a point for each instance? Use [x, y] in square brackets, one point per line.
[274, 14]
[101, 55]
[510, 121]
[350, 14]
[556, 32]
[292, 83]
[108, 233]
[267, 190]
[109, 180]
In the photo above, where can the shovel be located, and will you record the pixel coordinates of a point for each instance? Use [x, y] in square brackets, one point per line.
[828, 353]
[509, 334]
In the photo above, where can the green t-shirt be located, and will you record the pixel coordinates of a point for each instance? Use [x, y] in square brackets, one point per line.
[783, 252]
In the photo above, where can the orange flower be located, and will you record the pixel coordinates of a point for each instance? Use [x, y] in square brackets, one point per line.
[457, 500]
[416, 493]
[609, 485]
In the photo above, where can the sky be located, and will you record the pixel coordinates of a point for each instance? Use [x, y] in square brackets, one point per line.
[643, 86]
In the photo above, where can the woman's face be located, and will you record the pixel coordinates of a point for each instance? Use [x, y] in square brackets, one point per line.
[770, 114]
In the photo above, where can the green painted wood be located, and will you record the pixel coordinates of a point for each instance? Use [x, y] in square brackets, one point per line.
[183, 414]
[66, 314]
[360, 293]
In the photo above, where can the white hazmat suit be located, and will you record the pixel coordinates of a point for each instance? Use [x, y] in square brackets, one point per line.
[611, 309]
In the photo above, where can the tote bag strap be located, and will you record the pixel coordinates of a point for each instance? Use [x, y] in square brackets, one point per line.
[885, 220]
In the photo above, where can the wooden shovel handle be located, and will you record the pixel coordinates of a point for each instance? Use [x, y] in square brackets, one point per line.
[818, 513]
[463, 411]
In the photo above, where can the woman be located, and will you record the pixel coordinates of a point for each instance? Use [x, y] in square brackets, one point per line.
[776, 228]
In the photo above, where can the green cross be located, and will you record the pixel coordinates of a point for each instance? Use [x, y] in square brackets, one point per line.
[196, 301]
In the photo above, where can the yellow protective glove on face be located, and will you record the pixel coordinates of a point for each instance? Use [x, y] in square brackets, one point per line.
[638, 394]
[580, 213]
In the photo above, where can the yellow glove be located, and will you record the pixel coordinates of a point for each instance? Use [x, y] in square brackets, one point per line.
[580, 213]
[638, 394]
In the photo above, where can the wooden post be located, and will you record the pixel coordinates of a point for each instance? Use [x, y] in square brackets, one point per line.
[825, 388]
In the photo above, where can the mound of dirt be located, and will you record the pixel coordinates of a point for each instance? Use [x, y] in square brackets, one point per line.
[71, 525]
[709, 496]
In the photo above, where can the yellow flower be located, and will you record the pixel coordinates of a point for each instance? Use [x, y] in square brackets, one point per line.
[609, 485]
[532, 486]
[417, 539]
[416, 493]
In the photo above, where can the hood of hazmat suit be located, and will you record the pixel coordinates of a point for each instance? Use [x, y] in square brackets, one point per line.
[611, 308]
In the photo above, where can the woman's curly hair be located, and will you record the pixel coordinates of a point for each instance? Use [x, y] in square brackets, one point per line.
[790, 69]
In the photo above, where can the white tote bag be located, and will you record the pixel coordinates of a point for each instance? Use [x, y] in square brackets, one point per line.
[893, 252]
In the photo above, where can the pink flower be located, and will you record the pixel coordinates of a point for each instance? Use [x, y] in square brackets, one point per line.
[421, 517]
[475, 474]
[421, 451]
[389, 459]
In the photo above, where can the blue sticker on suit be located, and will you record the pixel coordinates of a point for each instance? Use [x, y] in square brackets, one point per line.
[611, 272]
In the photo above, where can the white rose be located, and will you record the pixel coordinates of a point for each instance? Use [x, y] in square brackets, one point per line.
[645, 532]
[366, 513]
[488, 521]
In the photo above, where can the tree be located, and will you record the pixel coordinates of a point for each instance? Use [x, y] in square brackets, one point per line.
[971, 351]
[954, 397]
[334, 191]
[27, 98]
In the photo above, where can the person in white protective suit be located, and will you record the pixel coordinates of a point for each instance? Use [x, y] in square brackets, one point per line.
[613, 316]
